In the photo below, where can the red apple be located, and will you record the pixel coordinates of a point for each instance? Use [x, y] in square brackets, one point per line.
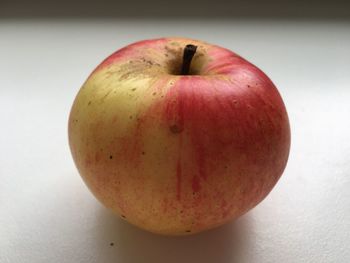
[176, 144]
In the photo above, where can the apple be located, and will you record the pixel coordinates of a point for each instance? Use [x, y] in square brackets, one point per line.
[178, 136]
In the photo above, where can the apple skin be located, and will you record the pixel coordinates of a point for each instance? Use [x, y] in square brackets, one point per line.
[178, 154]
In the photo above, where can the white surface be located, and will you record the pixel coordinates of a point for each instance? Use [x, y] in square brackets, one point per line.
[48, 215]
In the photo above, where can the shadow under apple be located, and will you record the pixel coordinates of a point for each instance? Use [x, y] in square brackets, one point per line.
[119, 241]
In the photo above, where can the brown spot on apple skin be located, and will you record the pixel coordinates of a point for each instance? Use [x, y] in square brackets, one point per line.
[97, 157]
[176, 129]
[115, 118]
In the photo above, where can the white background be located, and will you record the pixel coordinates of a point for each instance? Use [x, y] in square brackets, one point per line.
[48, 215]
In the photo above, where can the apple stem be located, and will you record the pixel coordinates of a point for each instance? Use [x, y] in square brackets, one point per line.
[189, 52]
